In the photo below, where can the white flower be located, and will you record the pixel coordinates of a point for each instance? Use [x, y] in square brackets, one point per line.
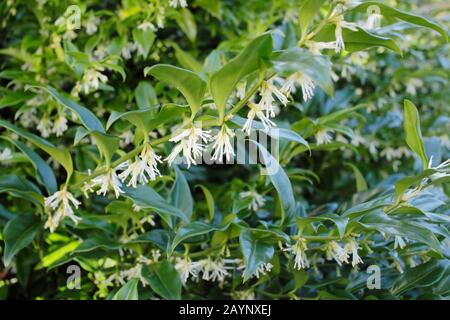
[126, 138]
[373, 21]
[178, 3]
[248, 294]
[340, 23]
[143, 169]
[336, 252]
[399, 242]
[100, 52]
[146, 25]
[186, 268]
[222, 144]
[352, 247]
[70, 34]
[262, 269]
[317, 47]
[91, 79]
[45, 126]
[358, 139]
[127, 50]
[298, 250]
[60, 125]
[91, 24]
[257, 200]
[28, 118]
[412, 85]
[106, 181]
[213, 270]
[323, 136]
[134, 272]
[301, 79]
[60, 203]
[240, 90]
[190, 143]
[257, 110]
[267, 92]
[6, 155]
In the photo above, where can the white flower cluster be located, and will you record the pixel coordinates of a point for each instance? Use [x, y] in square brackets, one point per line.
[208, 269]
[91, 80]
[334, 250]
[59, 205]
[342, 254]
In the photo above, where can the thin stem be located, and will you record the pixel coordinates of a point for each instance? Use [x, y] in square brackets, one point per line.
[247, 97]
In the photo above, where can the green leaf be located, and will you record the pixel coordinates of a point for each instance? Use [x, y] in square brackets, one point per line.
[191, 230]
[144, 39]
[385, 224]
[187, 82]
[255, 252]
[279, 180]
[424, 275]
[60, 155]
[361, 184]
[129, 291]
[158, 237]
[97, 242]
[145, 95]
[21, 187]
[357, 40]
[165, 280]
[44, 171]
[214, 7]
[308, 10]
[318, 68]
[341, 222]
[107, 144]
[209, 201]
[146, 198]
[11, 98]
[186, 21]
[186, 59]
[405, 183]
[58, 254]
[390, 12]
[224, 81]
[180, 195]
[141, 118]
[18, 234]
[411, 125]
[88, 119]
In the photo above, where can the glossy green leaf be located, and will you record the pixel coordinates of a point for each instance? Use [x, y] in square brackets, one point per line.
[224, 81]
[146, 197]
[165, 280]
[60, 155]
[18, 234]
[357, 40]
[129, 291]
[255, 252]
[413, 134]
[209, 201]
[44, 171]
[308, 10]
[193, 229]
[187, 82]
[391, 12]
[424, 275]
[180, 195]
[87, 118]
[361, 184]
